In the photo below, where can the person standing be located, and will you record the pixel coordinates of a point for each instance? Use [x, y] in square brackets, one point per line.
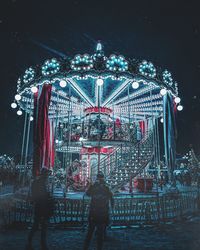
[43, 208]
[98, 218]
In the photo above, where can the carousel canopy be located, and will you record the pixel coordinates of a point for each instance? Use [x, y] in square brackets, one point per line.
[130, 88]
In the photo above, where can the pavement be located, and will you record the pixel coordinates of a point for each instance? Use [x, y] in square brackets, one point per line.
[177, 236]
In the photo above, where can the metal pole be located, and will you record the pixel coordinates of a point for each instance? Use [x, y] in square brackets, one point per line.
[23, 141]
[69, 133]
[56, 125]
[165, 142]
[27, 146]
[155, 142]
[158, 145]
[129, 122]
[113, 121]
[152, 124]
[99, 129]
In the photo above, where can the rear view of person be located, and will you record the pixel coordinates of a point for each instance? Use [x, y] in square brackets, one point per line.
[98, 219]
[43, 208]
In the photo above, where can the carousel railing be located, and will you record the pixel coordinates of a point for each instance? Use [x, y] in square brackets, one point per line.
[119, 151]
[126, 161]
[129, 210]
[140, 156]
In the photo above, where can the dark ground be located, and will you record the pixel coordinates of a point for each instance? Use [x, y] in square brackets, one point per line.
[179, 236]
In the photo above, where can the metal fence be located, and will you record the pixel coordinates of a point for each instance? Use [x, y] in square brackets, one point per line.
[129, 210]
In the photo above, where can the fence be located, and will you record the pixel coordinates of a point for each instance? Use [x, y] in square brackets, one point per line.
[129, 210]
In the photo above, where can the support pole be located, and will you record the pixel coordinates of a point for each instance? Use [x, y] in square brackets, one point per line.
[158, 146]
[129, 123]
[68, 158]
[155, 144]
[165, 140]
[98, 129]
[23, 140]
[153, 128]
[27, 146]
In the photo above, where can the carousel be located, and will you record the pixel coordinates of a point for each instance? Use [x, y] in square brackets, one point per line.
[98, 112]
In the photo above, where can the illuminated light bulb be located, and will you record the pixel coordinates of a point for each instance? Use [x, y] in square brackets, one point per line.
[31, 118]
[99, 82]
[13, 105]
[163, 91]
[161, 120]
[34, 89]
[179, 107]
[18, 97]
[177, 99]
[99, 46]
[19, 112]
[63, 83]
[135, 85]
[56, 141]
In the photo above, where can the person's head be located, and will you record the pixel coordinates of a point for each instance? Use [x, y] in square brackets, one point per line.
[100, 177]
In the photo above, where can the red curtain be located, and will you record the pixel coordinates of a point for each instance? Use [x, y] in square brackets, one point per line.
[142, 127]
[43, 135]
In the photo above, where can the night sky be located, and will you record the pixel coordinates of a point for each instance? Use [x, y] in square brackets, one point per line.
[164, 32]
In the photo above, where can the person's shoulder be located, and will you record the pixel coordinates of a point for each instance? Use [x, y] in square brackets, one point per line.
[95, 186]
[105, 186]
[92, 185]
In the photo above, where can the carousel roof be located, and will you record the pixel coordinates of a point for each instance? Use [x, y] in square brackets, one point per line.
[125, 85]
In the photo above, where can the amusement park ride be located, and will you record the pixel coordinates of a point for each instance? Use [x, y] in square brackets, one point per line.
[105, 109]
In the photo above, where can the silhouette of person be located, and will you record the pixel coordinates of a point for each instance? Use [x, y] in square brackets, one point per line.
[43, 207]
[98, 218]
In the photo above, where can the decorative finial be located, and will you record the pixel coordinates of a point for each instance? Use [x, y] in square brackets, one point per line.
[99, 47]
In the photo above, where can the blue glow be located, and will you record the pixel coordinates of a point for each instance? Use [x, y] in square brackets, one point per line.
[29, 75]
[82, 62]
[117, 63]
[99, 47]
[50, 67]
[147, 69]
[167, 77]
